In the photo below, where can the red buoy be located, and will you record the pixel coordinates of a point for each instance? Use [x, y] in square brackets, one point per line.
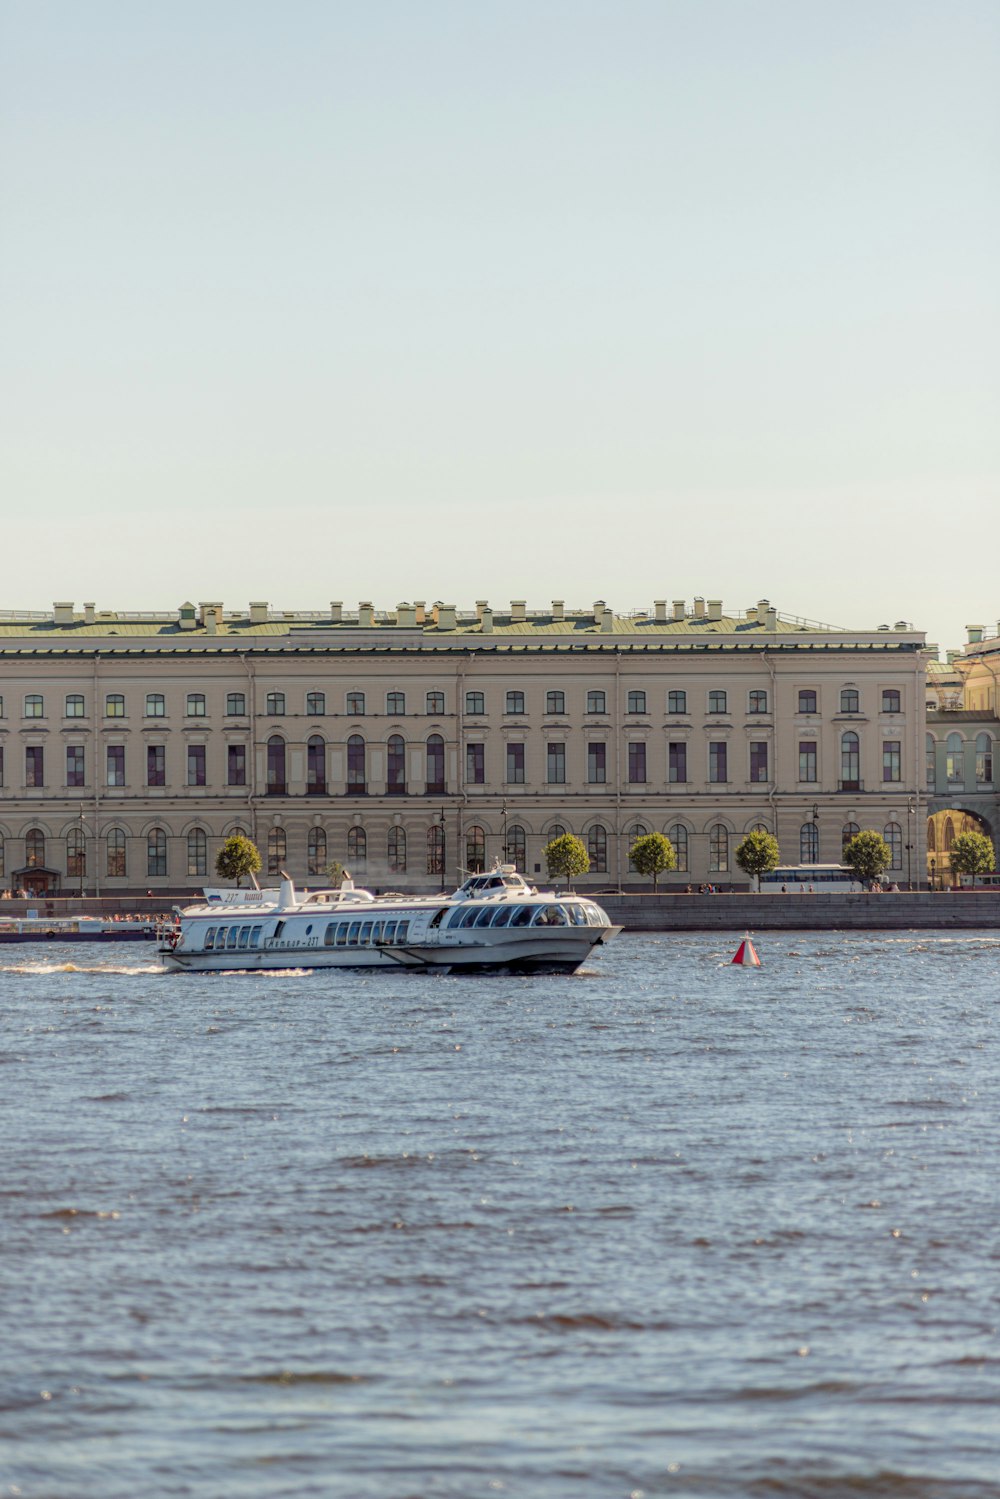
[746, 955]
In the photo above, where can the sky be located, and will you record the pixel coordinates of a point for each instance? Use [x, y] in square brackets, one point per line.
[423, 299]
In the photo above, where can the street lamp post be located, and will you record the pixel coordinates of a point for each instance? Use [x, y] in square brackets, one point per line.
[815, 822]
[503, 816]
[911, 810]
[933, 874]
[83, 851]
[441, 824]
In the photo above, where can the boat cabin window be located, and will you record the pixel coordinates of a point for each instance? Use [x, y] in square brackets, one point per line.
[366, 933]
[469, 918]
[220, 937]
[550, 916]
[233, 938]
[522, 916]
[342, 928]
[244, 937]
[377, 934]
[504, 913]
[456, 916]
[328, 935]
[402, 931]
[255, 935]
[353, 933]
[390, 932]
[577, 915]
[209, 937]
[485, 916]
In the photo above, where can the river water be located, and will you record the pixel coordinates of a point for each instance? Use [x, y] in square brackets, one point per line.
[662, 1228]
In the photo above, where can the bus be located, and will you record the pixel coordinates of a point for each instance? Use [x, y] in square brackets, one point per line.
[811, 879]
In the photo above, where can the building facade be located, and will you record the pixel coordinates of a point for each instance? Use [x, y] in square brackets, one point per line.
[963, 729]
[415, 744]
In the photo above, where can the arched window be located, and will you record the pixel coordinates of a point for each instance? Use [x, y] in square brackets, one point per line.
[678, 836]
[277, 784]
[516, 847]
[197, 852]
[397, 850]
[115, 857]
[893, 835]
[931, 837]
[395, 776]
[76, 853]
[718, 848]
[930, 761]
[435, 849]
[954, 760]
[316, 765]
[277, 850]
[34, 848]
[2, 861]
[156, 853]
[475, 849]
[984, 759]
[316, 851]
[556, 831]
[949, 834]
[435, 765]
[808, 843]
[357, 846]
[848, 831]
[636, 831]
[356, 765]
[850, 762]
[597, 848]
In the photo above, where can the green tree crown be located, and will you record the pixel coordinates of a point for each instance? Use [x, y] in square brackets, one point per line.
[652, 855]
[868, 855]
[236, 858]
[566, 856]
[758, 854]
[972, 853]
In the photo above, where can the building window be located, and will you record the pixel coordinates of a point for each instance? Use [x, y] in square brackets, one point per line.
[984, 759]
[1, 764]
[636, 764]
[808, 843]
[356, 779]
[597, 763]
[114, 705]
[807, 700]
[34, 765]
[115, 854]
[34, 848]
[75, 775]
[848, 831]
[555, 702]
[637, 702]
[475, 764]
[515, 764]
[677, 702]
[718, 849]
[34, 706]
[758, 760]
[435, 765]
[396, 849]
[197, 852]
[236, 765]
[954, 760]
[76, 853]
[357, 846]
[597, 848]
[677, 762]
[718, 770]
[930, 762]
[597, 702]
[556, 831]
[555, 764]
[275, 704]
[196, 765]
[892, 760]
[757, 701]
[475, 849]
[156, 705]
[893, 835]
[2, 863]
[435, 702]
[236, 704]
[156, 765]
[890, 700]
[316, 708]
[395, 778]
[316, 851]
[850, 762]
[807, 760]
[277, 850]
[316, 765]
[515, 702]
[116, 764]
[435, 849]
[75, 705]
[277, 784]
[931, 836]
[475, 703]
[678, 836]
[517, 848]
[395, 703]
[849, 700]
[196, 705]
[717, 702]
[633, 835]
[156, 853]
[356, 704]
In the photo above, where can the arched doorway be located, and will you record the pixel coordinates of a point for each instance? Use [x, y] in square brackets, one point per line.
[942, 829]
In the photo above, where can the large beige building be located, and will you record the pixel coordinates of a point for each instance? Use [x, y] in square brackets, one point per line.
[963, 729]
[412, 744]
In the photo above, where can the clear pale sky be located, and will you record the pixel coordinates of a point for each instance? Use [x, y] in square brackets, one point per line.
[384, 300]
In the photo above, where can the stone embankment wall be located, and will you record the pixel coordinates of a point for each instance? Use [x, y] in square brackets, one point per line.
[737, 913]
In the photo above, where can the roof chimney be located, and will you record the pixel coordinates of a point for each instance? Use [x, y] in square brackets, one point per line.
[63, 614]
[699, 608]
[558, 608]
[660, 610]
[406, 616]
[481, 604]
[258, 612]
[88, 614]
[366, 615]
[771, 620]
[975, 634]
[518, 608]
[420, 608]
[680, 609]
[444, 616]
[715, 608]
[608, 621]
[337, 611]
[486, 621]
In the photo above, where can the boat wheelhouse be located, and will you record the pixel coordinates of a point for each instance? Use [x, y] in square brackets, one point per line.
[492, 921]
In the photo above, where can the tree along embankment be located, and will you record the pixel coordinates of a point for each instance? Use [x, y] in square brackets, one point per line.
[695, 913]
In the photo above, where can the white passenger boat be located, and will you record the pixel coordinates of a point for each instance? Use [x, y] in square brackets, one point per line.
[493, 921]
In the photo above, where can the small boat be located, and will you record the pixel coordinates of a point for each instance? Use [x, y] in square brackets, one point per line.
[494, 921]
